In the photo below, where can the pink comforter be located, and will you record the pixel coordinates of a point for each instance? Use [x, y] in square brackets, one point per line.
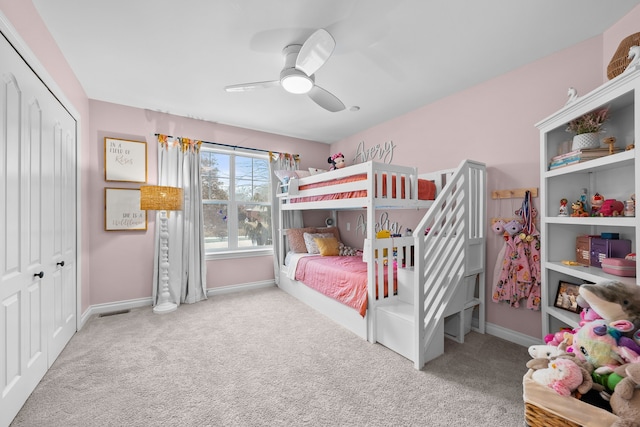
[343, 278]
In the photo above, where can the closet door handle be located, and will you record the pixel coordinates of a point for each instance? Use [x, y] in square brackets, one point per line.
[61, 263]
[40, 275]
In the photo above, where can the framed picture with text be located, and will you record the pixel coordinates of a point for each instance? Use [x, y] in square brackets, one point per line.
[122, 210]
[125, 161]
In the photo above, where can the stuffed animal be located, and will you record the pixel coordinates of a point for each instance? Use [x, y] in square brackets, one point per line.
[578, 209]
[612, 300]
[597, 343]
[513, 227]
[625, 400]
[564, 376]
[337, 161]
[611, 207]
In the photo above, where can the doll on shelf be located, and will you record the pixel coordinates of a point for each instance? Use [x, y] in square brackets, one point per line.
[563, 211]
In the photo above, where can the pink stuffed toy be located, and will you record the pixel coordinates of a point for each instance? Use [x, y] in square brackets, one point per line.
[562, 375]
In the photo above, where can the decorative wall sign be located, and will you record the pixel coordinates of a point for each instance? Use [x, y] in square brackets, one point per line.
[383, 224]
[125, 161]
[122, 210]
[380, 152]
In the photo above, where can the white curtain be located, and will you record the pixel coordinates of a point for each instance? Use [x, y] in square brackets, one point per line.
[291, 219]
[179, 166]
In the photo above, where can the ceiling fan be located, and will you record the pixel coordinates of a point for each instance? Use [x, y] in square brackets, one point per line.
[300, 64]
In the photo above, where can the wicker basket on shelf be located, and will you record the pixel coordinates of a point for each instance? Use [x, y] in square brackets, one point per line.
[543, 407]
[620, 61]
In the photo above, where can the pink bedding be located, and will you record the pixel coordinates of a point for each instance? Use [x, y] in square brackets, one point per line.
[426, 189]
[343, 278]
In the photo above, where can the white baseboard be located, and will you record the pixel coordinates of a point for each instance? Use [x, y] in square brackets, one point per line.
[147, 302]
[238, 288]
[511, 335]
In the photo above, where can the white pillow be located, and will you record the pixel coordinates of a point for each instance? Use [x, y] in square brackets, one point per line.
[311, 245]
[282, 174]
[314, 171]
[303, 174]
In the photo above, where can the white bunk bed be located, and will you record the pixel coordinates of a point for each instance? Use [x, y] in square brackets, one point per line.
[448, 272]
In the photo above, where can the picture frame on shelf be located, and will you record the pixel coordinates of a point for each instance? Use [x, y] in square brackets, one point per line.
[125, 160]
[566, 297]
[122, 210]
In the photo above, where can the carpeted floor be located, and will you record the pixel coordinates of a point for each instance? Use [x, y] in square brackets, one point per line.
[261, 358]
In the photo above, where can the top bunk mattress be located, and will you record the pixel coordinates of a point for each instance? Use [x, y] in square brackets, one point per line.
[426, 189]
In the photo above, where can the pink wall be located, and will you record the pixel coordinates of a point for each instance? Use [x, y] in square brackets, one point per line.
[492, 122]
[122, 262]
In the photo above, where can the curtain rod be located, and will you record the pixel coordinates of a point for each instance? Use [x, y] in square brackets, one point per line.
[236, 146]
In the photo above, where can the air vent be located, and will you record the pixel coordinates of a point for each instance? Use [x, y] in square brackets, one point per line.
[113, 313]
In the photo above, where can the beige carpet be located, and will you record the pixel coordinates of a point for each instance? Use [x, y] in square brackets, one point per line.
[261, 358]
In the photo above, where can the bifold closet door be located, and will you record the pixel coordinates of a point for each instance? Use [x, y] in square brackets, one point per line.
[37, 224]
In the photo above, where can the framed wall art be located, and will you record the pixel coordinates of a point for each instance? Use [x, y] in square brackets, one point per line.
[124, 160]
[566, 297]
[122, 210]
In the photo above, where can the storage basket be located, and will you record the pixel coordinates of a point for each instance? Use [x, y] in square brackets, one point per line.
[543, 407]
[620, 61]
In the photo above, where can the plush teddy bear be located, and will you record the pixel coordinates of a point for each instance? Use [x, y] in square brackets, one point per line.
[625, 400]
[337, 161]
[564, 376]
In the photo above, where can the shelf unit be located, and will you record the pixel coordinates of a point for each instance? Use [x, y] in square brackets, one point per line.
[614, 176]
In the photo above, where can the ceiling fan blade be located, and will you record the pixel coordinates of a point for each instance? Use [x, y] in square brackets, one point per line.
[315, 52]
[325, 99]
[246, 87]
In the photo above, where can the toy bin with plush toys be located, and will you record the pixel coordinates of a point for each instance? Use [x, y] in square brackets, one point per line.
[589, 375]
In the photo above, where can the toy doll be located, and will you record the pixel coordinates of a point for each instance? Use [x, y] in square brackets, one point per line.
[337, 161]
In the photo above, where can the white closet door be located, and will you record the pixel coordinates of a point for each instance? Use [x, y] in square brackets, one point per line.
[37, 172]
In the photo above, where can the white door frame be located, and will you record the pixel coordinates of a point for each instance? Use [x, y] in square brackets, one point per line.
[29, 57]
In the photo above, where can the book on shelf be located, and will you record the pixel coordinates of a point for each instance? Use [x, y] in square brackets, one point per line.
[578, 156]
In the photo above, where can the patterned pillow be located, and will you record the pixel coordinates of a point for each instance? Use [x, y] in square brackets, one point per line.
[328, 246]
[310, 243]
[295, 238]
[334, 230]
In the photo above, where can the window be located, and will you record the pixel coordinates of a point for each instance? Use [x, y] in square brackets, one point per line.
[236, 201]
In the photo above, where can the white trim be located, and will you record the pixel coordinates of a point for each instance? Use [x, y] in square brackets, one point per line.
[213, 256]
[114, 306]
[147, 302]
[238, 288]
[31, 59]
[511, 335]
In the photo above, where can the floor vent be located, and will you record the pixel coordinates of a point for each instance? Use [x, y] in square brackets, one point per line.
[113, 313]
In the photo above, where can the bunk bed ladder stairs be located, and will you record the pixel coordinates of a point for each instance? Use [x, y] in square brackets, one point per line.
[450, 260]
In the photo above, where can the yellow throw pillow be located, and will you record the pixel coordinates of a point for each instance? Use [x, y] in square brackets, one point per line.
[328, 246]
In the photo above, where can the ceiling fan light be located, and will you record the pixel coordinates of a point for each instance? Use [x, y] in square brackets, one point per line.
[296, 82]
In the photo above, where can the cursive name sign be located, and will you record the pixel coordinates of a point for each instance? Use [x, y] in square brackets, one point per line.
[382, 152]
[383, 224]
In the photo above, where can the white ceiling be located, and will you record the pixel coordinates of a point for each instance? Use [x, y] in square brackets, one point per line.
[391, 56]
